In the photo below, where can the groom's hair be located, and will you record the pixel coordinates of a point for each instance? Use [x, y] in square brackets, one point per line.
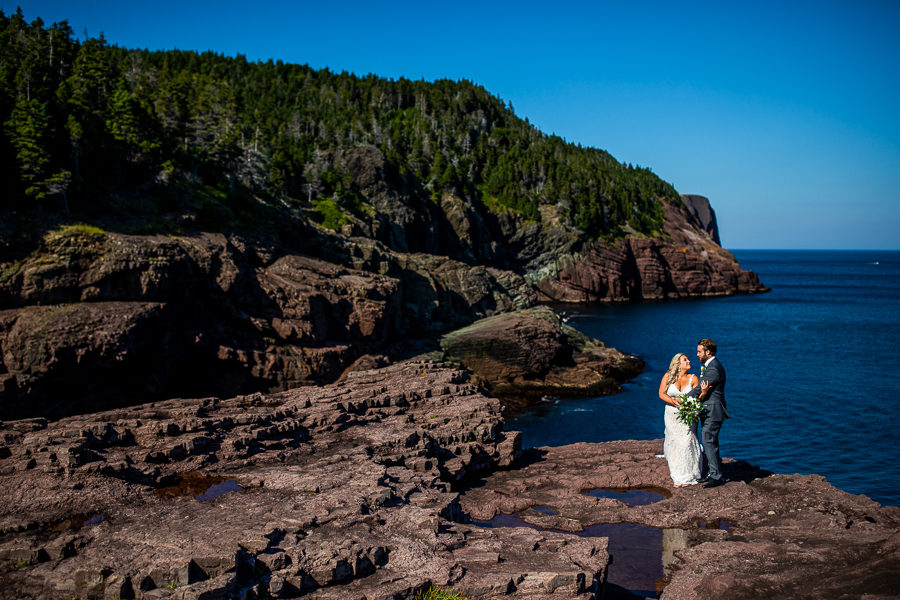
[709, 345]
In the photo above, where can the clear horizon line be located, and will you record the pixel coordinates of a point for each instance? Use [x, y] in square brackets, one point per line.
[818, 249]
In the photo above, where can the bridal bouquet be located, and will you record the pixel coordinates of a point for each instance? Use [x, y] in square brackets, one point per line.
[691, 410]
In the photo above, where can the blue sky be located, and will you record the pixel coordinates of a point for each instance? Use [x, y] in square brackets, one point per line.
[785, 114]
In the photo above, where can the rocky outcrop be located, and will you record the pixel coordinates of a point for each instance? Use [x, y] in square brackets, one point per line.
[327, 493]
[93, 321]
[531, 353]
[395, 480]
[686, 263]
[700, 207]
[684, 260]
[759, 536]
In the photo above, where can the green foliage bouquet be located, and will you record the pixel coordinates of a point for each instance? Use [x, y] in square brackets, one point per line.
[691, 410]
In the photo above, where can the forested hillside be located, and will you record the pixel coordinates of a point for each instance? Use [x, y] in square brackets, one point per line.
[89, 128]
[183, 224]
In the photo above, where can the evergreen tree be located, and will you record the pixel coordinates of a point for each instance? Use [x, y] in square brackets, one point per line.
[112, 117]
[30, 132]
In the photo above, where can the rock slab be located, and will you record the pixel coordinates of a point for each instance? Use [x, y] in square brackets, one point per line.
[761, 535]
[338, 492]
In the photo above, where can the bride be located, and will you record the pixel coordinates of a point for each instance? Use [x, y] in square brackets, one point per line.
[681, 448]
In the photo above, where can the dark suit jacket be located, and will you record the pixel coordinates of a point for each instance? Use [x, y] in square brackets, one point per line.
[714, 374]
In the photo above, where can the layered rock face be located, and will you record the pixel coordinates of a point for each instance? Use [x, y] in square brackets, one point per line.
[686, 263]
[90, 321]
[99, 320]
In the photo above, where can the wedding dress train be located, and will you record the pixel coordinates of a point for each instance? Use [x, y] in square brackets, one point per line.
[681, 447]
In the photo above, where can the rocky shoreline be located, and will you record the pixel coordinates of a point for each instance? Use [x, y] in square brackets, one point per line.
[367, 489]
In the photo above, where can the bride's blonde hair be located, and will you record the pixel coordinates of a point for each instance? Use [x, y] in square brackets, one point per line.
[673, 368]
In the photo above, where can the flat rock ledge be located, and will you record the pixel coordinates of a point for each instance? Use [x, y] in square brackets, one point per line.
[376, 488]
[338, 492]
[761, 535]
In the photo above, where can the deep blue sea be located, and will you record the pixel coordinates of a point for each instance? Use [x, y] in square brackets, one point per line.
[813, 369]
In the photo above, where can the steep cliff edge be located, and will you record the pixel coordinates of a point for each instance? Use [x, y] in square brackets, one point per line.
[683, 262]
[700, 207]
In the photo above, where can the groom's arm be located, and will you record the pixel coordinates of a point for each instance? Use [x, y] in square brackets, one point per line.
[712, 376]
[697, 390]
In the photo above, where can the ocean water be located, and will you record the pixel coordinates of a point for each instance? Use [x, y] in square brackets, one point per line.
[813, 369]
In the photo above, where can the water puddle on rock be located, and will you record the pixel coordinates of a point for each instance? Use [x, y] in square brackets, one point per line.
[78, 521]
[720, 524]
[201, 487]
[545, 510]
[640, 554]
[631, 496]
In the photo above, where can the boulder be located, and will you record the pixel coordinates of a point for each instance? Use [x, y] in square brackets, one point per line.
[526, 354]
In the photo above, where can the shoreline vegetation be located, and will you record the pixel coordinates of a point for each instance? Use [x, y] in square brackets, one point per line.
[91, 128]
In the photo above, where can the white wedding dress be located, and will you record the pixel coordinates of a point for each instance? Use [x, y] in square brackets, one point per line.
[681, 447]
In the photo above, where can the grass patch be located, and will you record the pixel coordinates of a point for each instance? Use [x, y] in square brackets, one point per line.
[328, 214]
[81, 229]
[8, 274]
[440, 593]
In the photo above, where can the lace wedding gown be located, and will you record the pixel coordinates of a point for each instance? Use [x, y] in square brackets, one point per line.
[681, 447]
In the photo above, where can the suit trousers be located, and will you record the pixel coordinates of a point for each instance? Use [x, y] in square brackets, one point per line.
[710, 432]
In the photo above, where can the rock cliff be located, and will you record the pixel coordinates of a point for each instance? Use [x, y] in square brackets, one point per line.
[700, 207]
[91, 318]
[95, 320]
[685, 262]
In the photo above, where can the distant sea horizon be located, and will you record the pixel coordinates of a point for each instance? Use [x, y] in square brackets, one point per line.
[813, 368]
[811, 250]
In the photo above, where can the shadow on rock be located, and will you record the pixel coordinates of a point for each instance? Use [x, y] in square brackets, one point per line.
[741, 470]
[527, 457]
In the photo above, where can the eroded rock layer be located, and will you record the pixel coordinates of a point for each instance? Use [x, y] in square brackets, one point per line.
[684, 263]
[92, 319]
[331, 493]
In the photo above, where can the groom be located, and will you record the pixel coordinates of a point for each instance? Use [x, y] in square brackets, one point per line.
[713, 394]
